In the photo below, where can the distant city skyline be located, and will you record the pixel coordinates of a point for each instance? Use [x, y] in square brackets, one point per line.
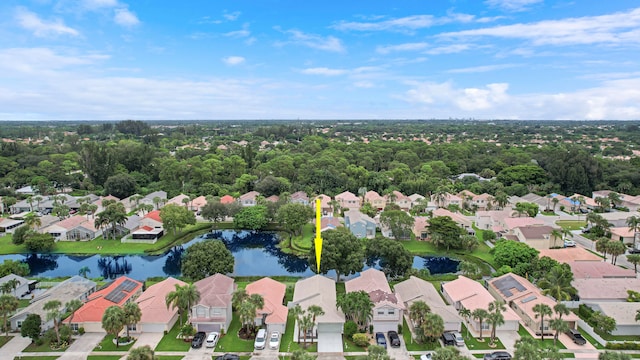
[273, 59]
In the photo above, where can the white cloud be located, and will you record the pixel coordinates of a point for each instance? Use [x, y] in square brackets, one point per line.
[42, 28]
[17, 61]
[233, 16]
[513, 5]
[323, 71]
[126, 18]
[480, 69]
[617, 28]
[400, 24]
[328, 43]
[448, 49]
[364, 84]
[97, 4]
[386, 49]
[467, 99]
[233, 60]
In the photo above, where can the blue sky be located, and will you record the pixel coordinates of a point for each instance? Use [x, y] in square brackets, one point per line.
[353, 59]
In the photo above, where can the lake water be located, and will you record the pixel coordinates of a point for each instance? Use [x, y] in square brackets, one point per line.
[255, 253]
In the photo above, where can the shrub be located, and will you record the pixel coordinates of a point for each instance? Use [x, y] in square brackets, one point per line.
[360, 339]
[400, 329]
[81, 330]
[350, 328]
[627, 345]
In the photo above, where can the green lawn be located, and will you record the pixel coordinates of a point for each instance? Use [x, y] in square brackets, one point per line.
[230, 342]
[349, 346]
[170, 342]
[571, 224]
[288, 345]
[104, 357]
[37, 357]
[106, 247]
[41, 348]
[590, 339]
[4, 340]
[412, 345]
[547, 343]
[107, 345]
[174, 357]
[473, 343]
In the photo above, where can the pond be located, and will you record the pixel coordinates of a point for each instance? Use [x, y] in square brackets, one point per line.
[255, 253]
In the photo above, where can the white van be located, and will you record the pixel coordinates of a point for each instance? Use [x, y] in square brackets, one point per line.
[212, 340]
[261, 339]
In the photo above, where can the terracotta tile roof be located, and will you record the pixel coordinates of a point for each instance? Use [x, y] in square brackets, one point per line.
[321, 291]
[199, 202]
[95, 306]
[227, 199]
[273, 293]
[154, 215]
[621, 231]
[472, 295]
[251, 195]
[605, 289]
[415, 289]
[72, 222]
[567, 255]
[598, 269]
[152, 301]
[374, 283]
[215, 290]
[514, 222]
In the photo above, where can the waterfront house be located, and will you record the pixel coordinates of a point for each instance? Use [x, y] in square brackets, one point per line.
[157, 317]
[213, 311]
[274, 313]
[360, 225]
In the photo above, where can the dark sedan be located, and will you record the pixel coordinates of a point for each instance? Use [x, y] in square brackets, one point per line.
[394, 339]
[198, 340]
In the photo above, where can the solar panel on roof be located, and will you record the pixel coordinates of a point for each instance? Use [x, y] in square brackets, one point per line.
[128, 285]
[505, 284]
[528, 298]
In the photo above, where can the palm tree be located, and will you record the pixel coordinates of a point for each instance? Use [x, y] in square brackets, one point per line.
[418, 312]
[635, 260]
[296, 312]
[132, 314]
[113, 321]
[92, 208]
[84, 271]
[555, 234]
[557, 283]
[306, 324]
[468, 268]
[495, 318]
[8, 304]
[314, 311]
[38, 198]
[433, 326]
[603, 202]
[501, 199]
[561, 309]
[52, 307]
[614, 199]
[142, 353]
[559, 326]
[32, 221]
[13, 285]
[465, 314]
[182, 298]
[633, 222]
[542, 310]
[440, 196]
[5, 288]
[602, 246]
[615, 248]
[555, 202]
[156, 201]
[72, 306]
[480, 315]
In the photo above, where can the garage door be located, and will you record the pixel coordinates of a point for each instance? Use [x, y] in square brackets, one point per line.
[330, 328]
[329, 343]
[208, 327]
[384, 326]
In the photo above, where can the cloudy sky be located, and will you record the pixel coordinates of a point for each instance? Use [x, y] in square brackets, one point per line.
[353, 59]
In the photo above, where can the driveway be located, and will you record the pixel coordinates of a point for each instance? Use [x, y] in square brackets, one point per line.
[82, 346]
[399, 353]
[15, 346]
[151, 339]
[330, 343]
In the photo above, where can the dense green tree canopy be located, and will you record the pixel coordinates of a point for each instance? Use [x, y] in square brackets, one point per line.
[341, 251]
[205, 259]
[512, 253]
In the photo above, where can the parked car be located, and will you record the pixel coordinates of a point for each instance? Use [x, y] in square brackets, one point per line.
[459, 338]
[448, 339]
[394, 339]
[426, 356]
[576, 337]
[274, 341]
[497, 355]
[261, 339]
[381, 340]
[228, 357]
[634, 251]
[569, 243]
[212, 339]
[198, 339]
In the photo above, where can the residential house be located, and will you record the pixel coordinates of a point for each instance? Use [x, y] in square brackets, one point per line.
[401, 200]
[617, 218]
[522, 296]
[23, 286]
[152, 220]
[157, 317]
[377, 202]
[146, 234]
[538, 237]
[273, 199]
[330, 223]
[227, 199]
[26, 190]
[360, 225]
[416, 199]
[447, 200]
[622, 234]
[482, 201]
[9, 225]
[596, 290]
[46, 221]
[321, 291]
[75, 287]
[599, 269]
[156, 198]
[460, 219]
[492, 220]
[510, 223]
[299, 197]
[569, 255]
[119, 292]
[421, 227]
[348, 200]
[388, 308]
[179, 200]
[542, 201]
[469, 294]
[74, 228]
[198, 203]
[325, 204]
[213, 311]
[249, 199]
[622, 313]
[415, 289]
[274, 313]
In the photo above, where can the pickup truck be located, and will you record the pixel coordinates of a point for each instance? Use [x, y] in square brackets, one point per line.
[576, 337]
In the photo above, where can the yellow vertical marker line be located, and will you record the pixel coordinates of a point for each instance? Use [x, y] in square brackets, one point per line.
[318, 240]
